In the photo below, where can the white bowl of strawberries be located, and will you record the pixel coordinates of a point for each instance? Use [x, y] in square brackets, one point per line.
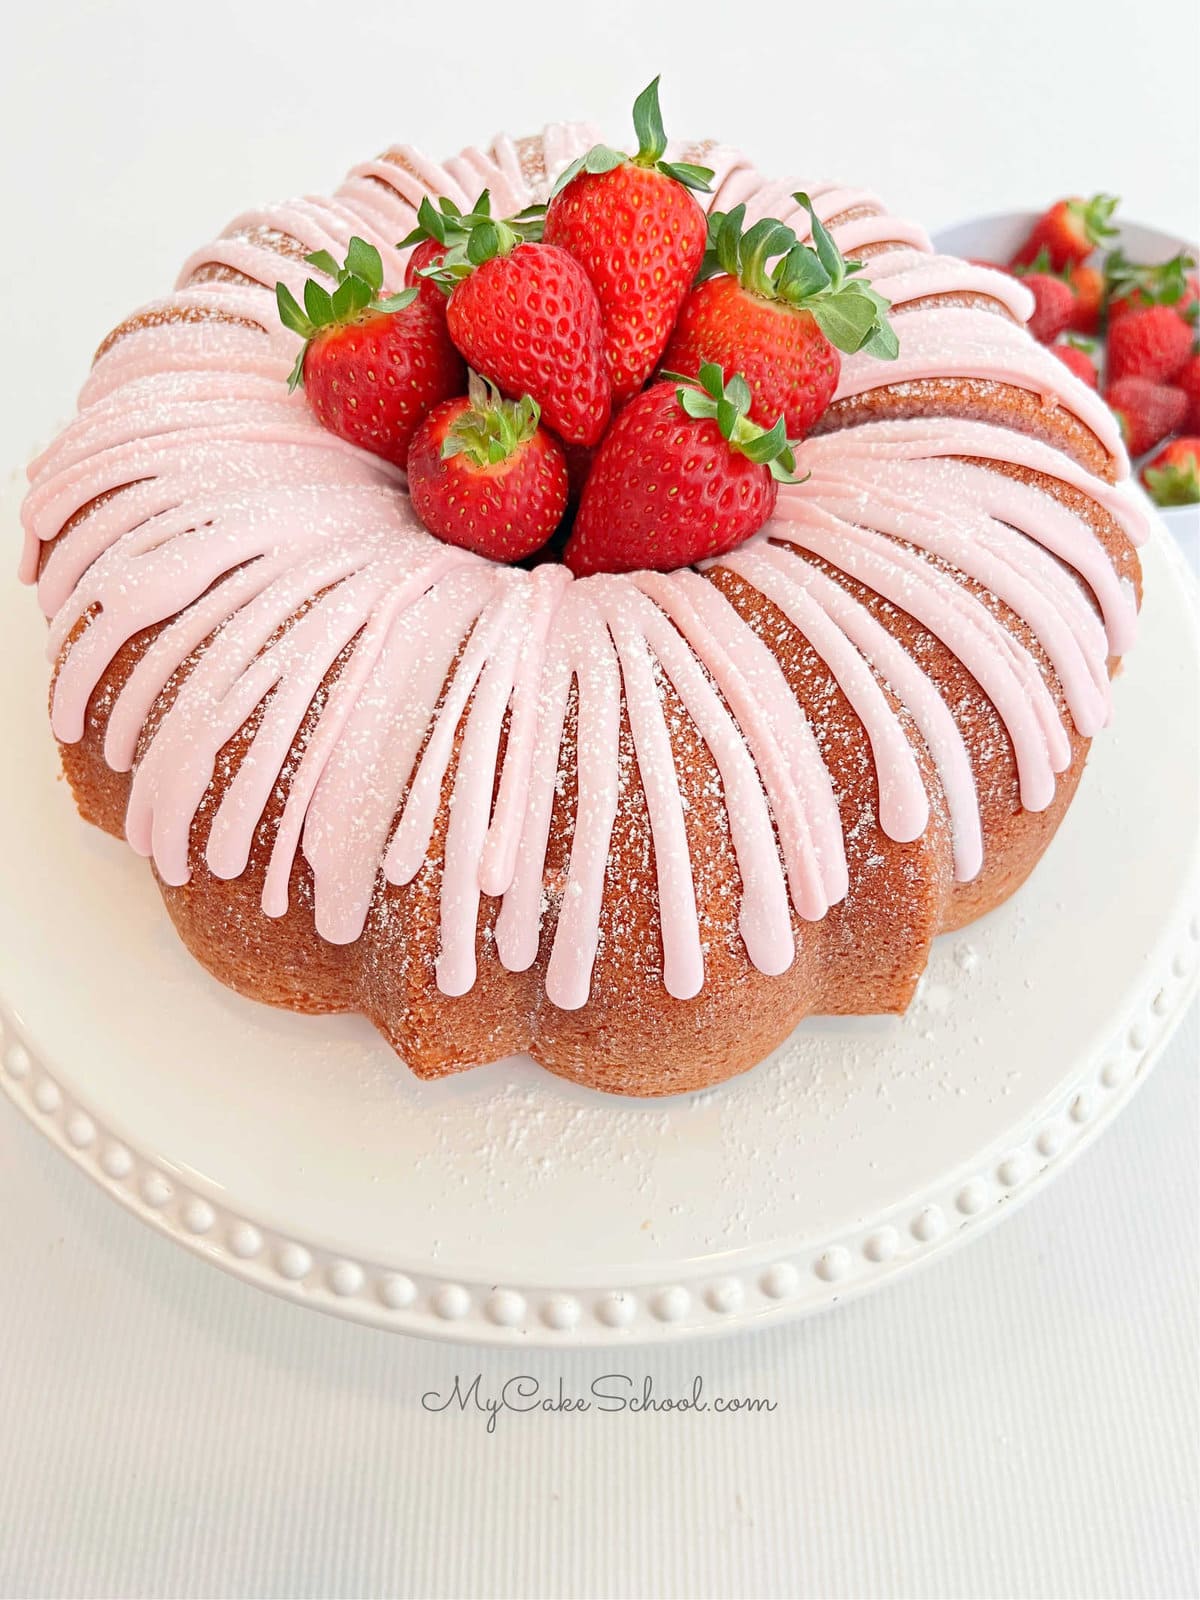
[1119, 302]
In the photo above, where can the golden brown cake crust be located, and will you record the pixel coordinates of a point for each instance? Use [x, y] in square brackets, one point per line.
[865, 955]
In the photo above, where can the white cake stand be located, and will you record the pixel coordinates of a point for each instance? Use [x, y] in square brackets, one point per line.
[506, 1206]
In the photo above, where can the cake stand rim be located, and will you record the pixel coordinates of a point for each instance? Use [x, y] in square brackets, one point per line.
[753, 1286]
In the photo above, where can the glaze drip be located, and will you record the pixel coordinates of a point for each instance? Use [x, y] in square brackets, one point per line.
[384, 674]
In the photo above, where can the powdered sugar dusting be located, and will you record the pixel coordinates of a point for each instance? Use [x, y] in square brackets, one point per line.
[378, 680]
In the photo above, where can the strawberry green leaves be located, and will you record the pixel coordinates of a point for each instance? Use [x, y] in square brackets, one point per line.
[817, 278]
[359, 286]
[492, 429]
[648, 125]
[652, 142]
[1174, 484]
[600, 158]
[1163, 284]
[451, 226]
[745, 255]
[1173, 477]
[652, 147]
[471, 237]
[442, 221]
[728, 404]
[1093, 217]
[1040, 263]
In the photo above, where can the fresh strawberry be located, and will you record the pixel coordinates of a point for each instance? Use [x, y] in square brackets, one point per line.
[428, 255]
[780, 326]
[483, 475]
[1081, 360]
[1153, 343]
[1147, 411]
[525, 315]
[530, 320]
[1131, 286]
[1189, 381]
[372, 366]
[1173, 477]
[1088, 288]
[640, 237]
[1069, 231]
[1053, 305]
[1053, 298]
[682, 475]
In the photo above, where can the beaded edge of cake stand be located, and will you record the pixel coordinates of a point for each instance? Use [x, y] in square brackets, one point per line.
[767, 1290]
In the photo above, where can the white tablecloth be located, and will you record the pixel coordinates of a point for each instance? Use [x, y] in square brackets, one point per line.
[1021, 1419]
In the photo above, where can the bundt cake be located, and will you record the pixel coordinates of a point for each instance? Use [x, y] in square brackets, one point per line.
[637, 825]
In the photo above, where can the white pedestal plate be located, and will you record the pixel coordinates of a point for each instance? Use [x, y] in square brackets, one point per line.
[506, 1206]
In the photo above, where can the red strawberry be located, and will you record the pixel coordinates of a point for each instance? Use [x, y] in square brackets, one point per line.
[1150, 343]
[1147, 411]
[683, 474]
[1069, 231]
[639, 235]
[1173, 477]
[1131, 286]
[428, 254]
[1053, 305]
[1053, 298]
[1087, 286]
[1189, 381]
[371, 366]
[483, 475]
[530, 320]
[778, 326]
[1080, 359]
[525, 315]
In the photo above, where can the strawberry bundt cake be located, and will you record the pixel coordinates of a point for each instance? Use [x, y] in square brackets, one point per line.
[637, 823]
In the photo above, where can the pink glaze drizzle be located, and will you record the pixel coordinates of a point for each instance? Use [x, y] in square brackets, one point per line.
[266, 551]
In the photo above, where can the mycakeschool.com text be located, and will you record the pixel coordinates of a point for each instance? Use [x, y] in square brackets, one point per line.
[611, 1393]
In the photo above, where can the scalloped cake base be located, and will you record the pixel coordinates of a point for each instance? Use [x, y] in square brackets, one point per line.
[507, 1206]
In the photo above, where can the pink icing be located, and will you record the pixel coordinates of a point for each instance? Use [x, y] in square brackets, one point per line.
[242, 526]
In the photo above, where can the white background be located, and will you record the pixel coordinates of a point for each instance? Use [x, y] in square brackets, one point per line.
[1019, 1420]
[135, 129]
